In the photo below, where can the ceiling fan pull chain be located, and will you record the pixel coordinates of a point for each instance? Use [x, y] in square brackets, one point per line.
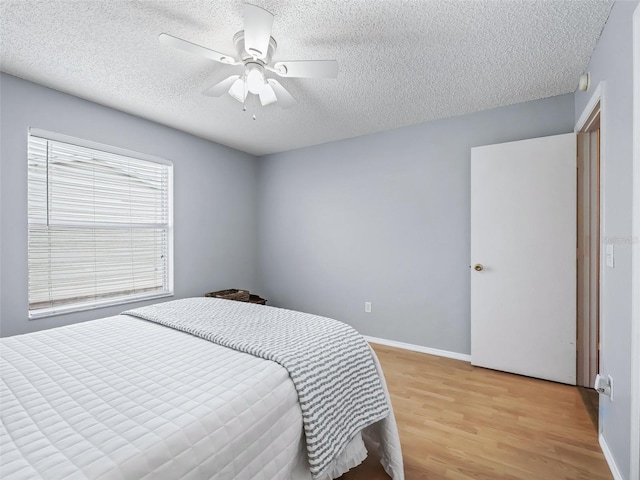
[244, 102]
[254, 105]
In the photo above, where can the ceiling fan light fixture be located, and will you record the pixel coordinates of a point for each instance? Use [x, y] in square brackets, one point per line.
[255, 78]
[238, 90]
[267, 95]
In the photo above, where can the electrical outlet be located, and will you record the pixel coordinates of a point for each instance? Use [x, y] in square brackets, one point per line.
[367, 307]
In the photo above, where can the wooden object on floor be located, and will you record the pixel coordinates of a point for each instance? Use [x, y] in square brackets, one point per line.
[231, 294]
[256, 299]
[238, 295]
[459, 422]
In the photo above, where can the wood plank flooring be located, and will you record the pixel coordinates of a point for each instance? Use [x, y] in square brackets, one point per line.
[591, 402]
[459, 422]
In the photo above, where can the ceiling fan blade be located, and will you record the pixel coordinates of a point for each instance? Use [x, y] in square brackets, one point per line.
[257, 30]
[181, 44]
[285, 100]
[222, 87]
[307, 68]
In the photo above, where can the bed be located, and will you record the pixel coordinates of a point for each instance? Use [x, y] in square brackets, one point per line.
[128, 398]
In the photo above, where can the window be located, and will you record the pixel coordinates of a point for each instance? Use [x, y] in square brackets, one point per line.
[100, 225]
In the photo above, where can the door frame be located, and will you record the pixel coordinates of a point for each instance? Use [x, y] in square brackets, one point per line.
[635, 252]
[588, 300]
[597, 102]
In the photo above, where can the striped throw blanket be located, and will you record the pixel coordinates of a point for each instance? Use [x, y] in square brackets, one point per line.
[330, 364]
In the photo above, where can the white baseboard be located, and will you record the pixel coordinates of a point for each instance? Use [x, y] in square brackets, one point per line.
[609, 458]
[419, 348]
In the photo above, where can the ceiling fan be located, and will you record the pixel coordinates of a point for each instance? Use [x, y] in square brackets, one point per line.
[255, 48]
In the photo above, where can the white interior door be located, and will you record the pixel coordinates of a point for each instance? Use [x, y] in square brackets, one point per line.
[523, 235]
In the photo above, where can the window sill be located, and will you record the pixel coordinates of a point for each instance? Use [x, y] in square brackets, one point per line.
[93, 305]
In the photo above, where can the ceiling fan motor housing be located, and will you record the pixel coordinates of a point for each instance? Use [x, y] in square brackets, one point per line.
[263, 58]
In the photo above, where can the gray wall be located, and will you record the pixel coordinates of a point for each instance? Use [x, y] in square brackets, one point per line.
[214, 197]
[612, 62]
[385, 218]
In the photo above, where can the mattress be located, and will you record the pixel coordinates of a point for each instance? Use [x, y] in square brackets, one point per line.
[123, 398]
[329, 362]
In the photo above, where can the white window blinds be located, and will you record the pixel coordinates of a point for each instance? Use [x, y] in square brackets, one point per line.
[99, 226]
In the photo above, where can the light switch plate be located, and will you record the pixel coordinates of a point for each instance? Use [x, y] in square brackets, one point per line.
[609, 256]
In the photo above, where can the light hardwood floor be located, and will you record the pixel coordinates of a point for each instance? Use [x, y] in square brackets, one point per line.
[459, 422]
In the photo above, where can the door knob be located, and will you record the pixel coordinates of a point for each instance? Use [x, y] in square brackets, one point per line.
[478, 267]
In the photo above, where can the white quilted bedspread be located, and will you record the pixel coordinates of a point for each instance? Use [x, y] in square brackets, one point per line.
[122, 398]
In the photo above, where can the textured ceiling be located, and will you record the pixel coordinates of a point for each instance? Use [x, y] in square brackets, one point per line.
[401, 61]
